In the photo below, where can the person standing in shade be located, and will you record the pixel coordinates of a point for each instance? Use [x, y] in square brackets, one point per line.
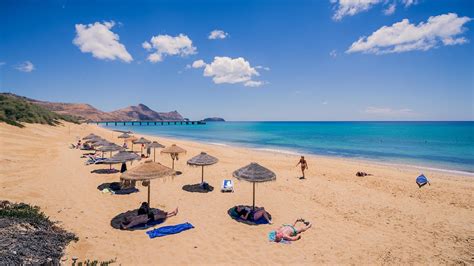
[304, 166]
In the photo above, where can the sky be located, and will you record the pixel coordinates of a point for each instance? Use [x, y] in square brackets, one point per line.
[246, 60]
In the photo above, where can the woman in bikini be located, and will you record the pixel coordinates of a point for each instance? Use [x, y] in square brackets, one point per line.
[289, 232]
[304, 165]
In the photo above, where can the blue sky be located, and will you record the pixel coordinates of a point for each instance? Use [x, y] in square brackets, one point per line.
[274, 60]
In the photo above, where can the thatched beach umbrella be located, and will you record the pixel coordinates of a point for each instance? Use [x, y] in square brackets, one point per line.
[203, 159]
[124, 136]
[93, 139]
[254, 173]
[146, 172]
[90, 136]
[142, 141]
[121, 157]
[154, 145]
[110, 148]
[174, 151]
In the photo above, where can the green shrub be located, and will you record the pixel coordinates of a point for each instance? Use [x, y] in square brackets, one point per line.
[15, 110]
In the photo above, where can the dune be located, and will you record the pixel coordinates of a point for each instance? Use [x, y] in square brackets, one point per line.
[382, 218]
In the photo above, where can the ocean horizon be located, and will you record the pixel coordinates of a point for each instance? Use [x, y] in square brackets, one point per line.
[440, 145]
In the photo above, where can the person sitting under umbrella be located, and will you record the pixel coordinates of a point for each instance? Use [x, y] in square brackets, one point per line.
[289, 232]
[246, 213]
[145, 215]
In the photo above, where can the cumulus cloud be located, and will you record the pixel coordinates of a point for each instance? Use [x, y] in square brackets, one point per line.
[404, 36]
[390, 9]
[26, 66]
[345, 8]
[351, 7]
[388, 112]
[198, 64]
[166, 45]
[99, 40]
[230, 70]
[217, 34]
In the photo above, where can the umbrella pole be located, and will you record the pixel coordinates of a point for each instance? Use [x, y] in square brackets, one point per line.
[132, 146]
[253, 205]
[141, 151]
[173, 164]
[202, 175]
[154, 154]
[149, 184]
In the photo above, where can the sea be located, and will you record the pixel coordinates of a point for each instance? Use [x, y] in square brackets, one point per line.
[447, 146]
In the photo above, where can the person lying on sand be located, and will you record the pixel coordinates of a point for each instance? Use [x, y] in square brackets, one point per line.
[289, 232]
[246, 213]
[145, 215]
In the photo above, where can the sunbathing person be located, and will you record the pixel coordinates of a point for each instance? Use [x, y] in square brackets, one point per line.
[246, 213]
[289, 232]
[143, 218]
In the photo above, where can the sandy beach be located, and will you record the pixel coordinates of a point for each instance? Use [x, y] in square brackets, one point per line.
[382, 218]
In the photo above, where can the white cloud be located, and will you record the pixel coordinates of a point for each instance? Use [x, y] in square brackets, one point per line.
[198, 64]
[324, 102]
[166, 45]
[351, 7]
[26, 66]
[388, 112]
[99, 40]
[263, 67]
[2, 63]
[390, 9]
[404, 36]
[217, 34]
[230, 70]
[333, 53]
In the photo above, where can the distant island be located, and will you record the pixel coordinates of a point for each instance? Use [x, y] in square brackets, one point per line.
[213, 119]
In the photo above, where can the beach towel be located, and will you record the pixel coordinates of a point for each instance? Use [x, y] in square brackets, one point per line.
[422, 180]
[169, 230]
[271, 238]
[233, 214]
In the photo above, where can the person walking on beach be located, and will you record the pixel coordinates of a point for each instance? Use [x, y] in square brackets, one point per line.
[304, 166]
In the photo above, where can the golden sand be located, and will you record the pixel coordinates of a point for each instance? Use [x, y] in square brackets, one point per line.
[383, 218]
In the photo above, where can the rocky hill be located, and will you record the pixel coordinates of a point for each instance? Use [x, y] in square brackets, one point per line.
[89, 112]
[213, 119]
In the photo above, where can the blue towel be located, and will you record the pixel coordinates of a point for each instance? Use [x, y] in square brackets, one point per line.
[169, 230]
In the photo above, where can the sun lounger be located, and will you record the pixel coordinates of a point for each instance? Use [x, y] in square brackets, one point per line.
[227, 185]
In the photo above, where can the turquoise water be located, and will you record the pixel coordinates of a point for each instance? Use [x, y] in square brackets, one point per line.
[444, 145]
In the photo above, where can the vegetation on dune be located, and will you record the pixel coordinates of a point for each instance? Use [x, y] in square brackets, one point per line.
[14, 111]
[28, 237]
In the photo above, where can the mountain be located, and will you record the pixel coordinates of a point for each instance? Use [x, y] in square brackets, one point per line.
[89, 112]
[143, 112]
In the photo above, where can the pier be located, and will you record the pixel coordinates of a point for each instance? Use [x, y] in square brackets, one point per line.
[147, 123]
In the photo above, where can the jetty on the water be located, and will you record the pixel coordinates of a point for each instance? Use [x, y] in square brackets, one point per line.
[148, 122]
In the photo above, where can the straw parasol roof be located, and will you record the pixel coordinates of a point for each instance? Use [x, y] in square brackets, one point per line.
[202, 159]
[141, 140]
[154, 144]
[111, 147]
[254, 173]
[173, 149]
[90, 136]
[124, 136]
[121, 157]
[147, 171]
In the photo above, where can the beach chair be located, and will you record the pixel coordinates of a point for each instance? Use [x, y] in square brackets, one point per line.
[227, 186]
[421, 180]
